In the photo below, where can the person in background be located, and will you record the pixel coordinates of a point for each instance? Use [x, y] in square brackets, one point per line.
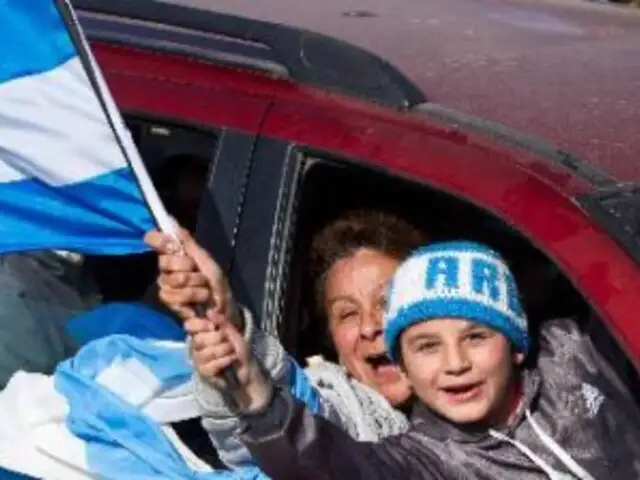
[181, 181]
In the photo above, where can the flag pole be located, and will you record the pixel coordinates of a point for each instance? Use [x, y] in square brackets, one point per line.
[127, 146]
[122, 135]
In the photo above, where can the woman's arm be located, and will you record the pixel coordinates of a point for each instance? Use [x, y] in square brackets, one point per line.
[189, 275]
[222, 424]
[218, 419]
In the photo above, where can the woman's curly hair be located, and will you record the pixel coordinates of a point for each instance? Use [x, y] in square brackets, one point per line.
[371, 229]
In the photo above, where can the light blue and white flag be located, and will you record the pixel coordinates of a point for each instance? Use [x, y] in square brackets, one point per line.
[70, 175]
[106, 413]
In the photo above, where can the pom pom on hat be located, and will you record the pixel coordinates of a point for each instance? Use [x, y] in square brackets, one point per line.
[463, 280]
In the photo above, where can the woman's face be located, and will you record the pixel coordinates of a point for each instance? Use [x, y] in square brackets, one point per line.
[354, 302]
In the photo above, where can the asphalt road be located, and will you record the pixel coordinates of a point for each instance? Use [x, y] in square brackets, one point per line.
[565, 70]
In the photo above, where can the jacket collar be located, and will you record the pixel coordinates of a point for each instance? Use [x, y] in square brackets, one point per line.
[428, 423]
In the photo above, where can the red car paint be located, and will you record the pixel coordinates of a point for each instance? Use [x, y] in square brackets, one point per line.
[565, 70]
[530, 193]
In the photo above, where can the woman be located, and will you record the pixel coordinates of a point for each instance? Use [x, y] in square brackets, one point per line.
[352, 260]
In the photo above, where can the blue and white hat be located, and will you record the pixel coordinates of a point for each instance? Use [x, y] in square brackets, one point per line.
[464, 280]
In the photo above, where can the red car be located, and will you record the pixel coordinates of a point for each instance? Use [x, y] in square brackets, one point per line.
[292, 127]
[297, 126]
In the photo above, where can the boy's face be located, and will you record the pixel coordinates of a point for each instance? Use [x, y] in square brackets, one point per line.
[460, 369]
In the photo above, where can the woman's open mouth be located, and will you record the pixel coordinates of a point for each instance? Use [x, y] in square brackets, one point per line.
[382, 365]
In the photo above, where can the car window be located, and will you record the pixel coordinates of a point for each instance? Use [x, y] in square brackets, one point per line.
[40, 292]
[332, 186]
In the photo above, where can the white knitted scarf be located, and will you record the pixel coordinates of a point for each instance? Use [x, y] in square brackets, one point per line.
[365, 413]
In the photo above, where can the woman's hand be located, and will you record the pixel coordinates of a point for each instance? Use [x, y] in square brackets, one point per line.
[215, 345]
[189, 276]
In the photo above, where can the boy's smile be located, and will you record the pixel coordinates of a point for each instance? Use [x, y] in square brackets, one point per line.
[460, 369]
[460, 394]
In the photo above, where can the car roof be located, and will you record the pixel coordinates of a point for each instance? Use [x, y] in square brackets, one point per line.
[294, 56]
[276, 50]
[564, 70]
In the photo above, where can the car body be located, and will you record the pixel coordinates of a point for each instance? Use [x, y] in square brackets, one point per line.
[295, 127]
[271, 93]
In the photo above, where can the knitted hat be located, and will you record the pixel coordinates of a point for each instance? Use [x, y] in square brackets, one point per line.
[462, 280]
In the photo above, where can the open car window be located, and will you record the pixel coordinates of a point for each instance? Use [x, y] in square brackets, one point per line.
[333, 185]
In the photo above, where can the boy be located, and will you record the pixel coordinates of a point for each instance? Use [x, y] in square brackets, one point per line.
[455, 324]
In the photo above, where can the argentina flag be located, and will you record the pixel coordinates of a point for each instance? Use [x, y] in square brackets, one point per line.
[107, 413]
[110, 411]
[70, 175]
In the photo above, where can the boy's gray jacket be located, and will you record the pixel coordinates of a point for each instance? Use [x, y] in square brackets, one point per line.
[576, 421]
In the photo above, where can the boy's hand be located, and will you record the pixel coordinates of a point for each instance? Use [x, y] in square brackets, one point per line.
[215, 345]
[188, 275]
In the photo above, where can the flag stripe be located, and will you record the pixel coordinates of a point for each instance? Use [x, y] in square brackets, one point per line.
[75, 217]
[123, 136]
[34, 38]
[53, 128]
[67, 178]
